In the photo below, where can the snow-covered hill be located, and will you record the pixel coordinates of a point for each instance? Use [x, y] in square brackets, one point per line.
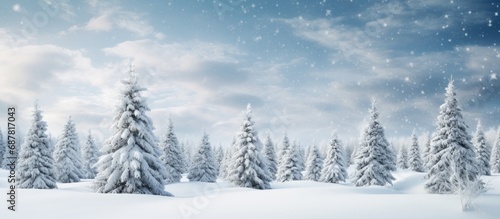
[297, 199]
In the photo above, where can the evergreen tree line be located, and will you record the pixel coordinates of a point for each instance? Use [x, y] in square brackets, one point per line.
[132, 161]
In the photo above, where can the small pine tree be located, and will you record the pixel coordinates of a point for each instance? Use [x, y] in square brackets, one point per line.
[301, 155]
[414, 160]
[314, 163]
[348, 154]
[270, 153]
[3, 151]
[187, 152]
[35, 165]
[90, 157]
[171, 156]
[249, 165]
[130, 161]
[426, 154]
[374, 159]
[403, 157]
[453, 162]
[288, 166]
[334, 167]
[219, 156]
[483, 154]
[66, 154]
[226, 162]
[203, 168]
[495, 158]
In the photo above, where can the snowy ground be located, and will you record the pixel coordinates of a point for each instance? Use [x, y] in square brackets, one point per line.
[299, 199]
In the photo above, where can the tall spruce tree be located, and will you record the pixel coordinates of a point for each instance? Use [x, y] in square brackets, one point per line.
[249, 166]
[270, 153]
[314, 164]
[35, 165]
[130, 161]
[171, 156]
[66, 155]
[483, 153]
[375, 158]
[414, 159]
[289, 163]
[453, 164]
[90, 157]
[495, 157]
[334, 167]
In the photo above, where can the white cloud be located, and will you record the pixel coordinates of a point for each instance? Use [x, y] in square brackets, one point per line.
[99, 23]
[115, 17]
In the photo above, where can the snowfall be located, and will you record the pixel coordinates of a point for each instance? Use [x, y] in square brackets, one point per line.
[406, 198]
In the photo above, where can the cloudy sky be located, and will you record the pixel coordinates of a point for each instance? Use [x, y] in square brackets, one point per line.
[307, 67]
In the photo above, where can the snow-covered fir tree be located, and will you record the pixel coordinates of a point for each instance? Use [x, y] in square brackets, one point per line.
[453, 161]
[249, 165]
[334, 167]
[226, 162]
[130, 161]
[414, 159]
[495, 155]
[426, 154]
[219, 156]
[348, 154]
[171, 156]
[3, 150]
[90, 156]
[483, 153]
[301, 154]
[35, 165]
[374, 158]
[288, 165]
[403, 157]
[203, 168]
[66, 155]
[270, 153]
[314, 164]
[187, 153]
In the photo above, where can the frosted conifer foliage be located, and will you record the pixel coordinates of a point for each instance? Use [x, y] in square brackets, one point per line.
[171, 156]
[453, 162]
[414, 160]
[67, 156]
[3, 151]
[427, 153]
[203, 168]
[483, 154]
[403, 157]
[35, 165]
[270, 153]
[495, 156]
[131, 163]
[288, 165]
[334, 167]
[219, 156]
[249, 165]
[314, 163]
[374, 159]
[90, 157]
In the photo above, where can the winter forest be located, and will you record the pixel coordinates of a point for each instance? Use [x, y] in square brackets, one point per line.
[250, 109]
